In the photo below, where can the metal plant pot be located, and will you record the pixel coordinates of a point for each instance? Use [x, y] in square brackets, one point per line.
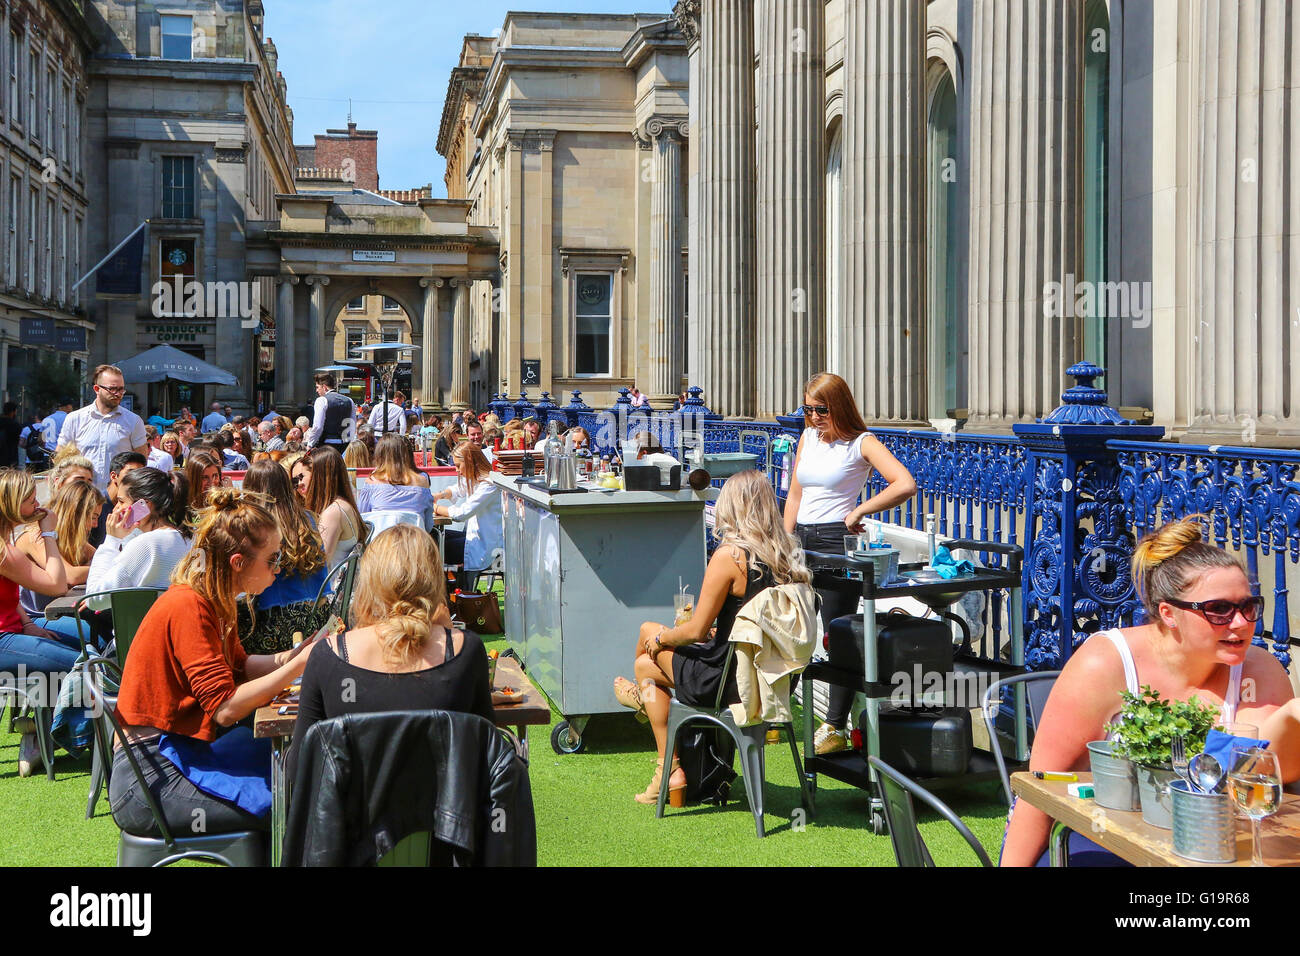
[1157, 803]
[1114, 779]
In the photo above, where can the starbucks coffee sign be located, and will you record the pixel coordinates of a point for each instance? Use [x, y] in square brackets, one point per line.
[177, 331]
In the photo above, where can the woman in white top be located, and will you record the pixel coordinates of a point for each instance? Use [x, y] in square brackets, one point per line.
[329, 494]
[142, 554]
[1198, 642]
[476, 501]
[836, 454]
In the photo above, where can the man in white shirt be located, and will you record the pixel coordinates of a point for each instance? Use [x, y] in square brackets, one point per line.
[104, 428]
[474, 433]
[388, 417]
[334, 416]
[213, 421]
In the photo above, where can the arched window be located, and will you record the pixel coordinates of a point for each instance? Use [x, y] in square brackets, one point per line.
[834, 253]
[1096, 121]
[941, 252]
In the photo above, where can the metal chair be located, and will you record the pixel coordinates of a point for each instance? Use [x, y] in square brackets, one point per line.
[128, 607]
[340, 580]
[896, 793]
[239, 848]
[1039, 686]
[750, 743]
[496, 570]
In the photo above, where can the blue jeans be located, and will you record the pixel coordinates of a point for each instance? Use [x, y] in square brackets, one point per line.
[34, 654]
[65, 628]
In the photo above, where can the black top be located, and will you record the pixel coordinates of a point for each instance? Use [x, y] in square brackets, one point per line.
[9, 432]
[332, 687]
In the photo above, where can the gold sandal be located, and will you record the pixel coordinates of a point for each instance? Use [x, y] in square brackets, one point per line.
[629, 695]
[676, 794]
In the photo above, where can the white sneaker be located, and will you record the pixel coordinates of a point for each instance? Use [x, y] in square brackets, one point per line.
[829, 740]
[29, 756]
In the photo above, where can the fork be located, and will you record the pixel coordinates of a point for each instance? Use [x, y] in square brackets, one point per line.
[1178, 757]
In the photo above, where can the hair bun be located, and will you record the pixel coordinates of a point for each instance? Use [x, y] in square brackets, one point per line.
[1167, 541]
[224, 499]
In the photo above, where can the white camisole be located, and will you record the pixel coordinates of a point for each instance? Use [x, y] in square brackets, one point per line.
[1230, 699]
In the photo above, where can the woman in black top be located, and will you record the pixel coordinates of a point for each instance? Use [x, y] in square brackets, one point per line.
[402, 653]
[754, 552]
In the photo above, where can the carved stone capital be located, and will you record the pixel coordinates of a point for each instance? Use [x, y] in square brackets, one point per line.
[673, 127]
[687, 15]
[281, 280]
[321, 281]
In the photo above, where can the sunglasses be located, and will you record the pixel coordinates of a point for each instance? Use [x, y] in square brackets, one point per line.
[1222, 612]
[273, 560]
[300, 479]
[822, 410]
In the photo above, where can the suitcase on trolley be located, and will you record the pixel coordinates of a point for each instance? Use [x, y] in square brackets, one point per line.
[910, 651]
[925, 742]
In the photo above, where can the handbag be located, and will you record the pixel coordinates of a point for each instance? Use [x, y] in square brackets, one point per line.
[480, 612]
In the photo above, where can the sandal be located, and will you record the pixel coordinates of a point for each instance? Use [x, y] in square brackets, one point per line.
[676, 792]
[629, 695]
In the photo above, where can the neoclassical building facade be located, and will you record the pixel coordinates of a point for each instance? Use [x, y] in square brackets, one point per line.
[949, 202]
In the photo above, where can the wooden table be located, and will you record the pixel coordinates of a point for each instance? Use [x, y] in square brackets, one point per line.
[531, 709]
[1126, 835]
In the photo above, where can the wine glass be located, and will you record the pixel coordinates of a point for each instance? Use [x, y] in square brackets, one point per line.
[1255, 779]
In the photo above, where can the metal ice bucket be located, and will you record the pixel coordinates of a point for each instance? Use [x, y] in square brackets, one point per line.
[1204, 828]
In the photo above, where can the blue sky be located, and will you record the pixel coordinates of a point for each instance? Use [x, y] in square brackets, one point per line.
[393, 58]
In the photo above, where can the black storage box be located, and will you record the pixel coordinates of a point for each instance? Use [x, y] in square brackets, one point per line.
[925, 743]
[907, 648]
[648, 478]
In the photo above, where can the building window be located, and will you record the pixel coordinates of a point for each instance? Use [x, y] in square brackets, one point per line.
[76, 137]
[78, 232]
[593, 323]
[390, 305]
[63, 256]
[11, 230]
[391, 333]
[356, 337]
[15, 78]
[177, 37]
[33, 80]
[33, 213]
[51, 85]
[358, 304]
[834, 252]
[65, 127]
[1096, 122]
[178, 187]
[47, 283]
[941, 186]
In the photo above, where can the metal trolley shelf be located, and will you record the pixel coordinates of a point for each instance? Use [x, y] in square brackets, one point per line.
[836, 571]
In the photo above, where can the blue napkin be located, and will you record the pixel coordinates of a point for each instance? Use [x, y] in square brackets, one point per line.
[1219, 746]
[947, 568]
[236, 767]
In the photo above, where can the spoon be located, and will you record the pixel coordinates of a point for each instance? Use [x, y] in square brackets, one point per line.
[1206, 772]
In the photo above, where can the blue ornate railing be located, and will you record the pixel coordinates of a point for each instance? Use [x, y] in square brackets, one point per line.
[1076, 490]
[1251, 496]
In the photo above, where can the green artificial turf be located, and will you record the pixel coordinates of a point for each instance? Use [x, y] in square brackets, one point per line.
[584, 811]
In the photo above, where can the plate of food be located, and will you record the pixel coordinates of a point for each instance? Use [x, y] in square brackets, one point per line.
[507, 695]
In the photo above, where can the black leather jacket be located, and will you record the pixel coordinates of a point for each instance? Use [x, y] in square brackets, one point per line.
[365, 781]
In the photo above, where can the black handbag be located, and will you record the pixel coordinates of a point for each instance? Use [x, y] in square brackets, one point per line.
[706, 755]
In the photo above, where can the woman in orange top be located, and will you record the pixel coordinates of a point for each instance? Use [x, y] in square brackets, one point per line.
[187, 673]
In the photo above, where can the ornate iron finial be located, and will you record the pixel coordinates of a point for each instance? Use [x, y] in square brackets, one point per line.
[1083, 403]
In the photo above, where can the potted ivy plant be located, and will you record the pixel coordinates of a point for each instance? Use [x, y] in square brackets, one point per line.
[1144, 732]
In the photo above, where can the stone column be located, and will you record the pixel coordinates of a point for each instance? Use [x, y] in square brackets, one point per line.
[687, 15]
[460, 344]
[316, 323]
[286, 371]
[1245, 381]
[791, 143]
[667, 358]
[882, 290]
[430, 353]
[723, 351]
[1026, 76]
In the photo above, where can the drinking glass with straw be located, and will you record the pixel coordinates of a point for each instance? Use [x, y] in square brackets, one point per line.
[683, 604]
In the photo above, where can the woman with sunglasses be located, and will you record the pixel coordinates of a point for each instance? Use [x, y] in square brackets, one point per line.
[1201, 616]
[836, 455]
